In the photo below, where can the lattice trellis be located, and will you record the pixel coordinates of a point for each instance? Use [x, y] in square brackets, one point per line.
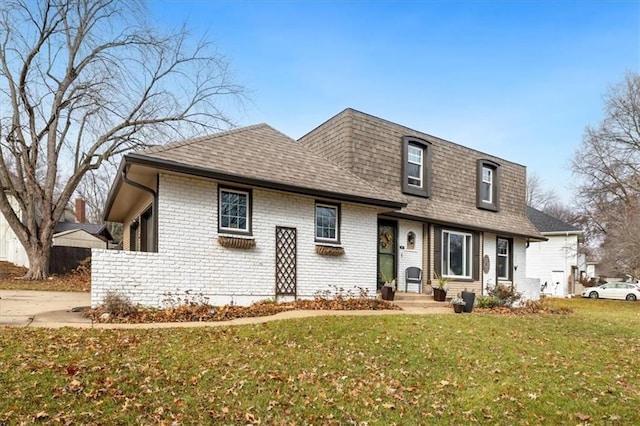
[285, 261]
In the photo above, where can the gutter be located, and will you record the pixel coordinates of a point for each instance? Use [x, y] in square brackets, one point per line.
[154, 204]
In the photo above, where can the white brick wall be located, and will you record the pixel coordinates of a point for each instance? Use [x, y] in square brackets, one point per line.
[190, 259]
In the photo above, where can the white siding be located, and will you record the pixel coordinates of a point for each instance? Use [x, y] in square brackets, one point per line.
[189, 258]
[407, 257]
[520, 260]
[557, 254]
[78, 238]
[11, 249]
[489, 249]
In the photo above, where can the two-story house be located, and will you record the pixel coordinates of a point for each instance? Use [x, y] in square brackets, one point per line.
[251, 214]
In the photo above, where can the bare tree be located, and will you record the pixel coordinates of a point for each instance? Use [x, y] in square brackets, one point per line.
[608, 163]
[82, 81]
[537, 196]
[94, 189]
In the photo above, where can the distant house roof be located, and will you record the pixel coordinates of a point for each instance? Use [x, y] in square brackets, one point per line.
[92, 228]
[549, 224]
[258, 156]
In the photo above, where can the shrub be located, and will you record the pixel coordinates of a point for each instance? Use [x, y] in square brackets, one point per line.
[487, 302]
[118, 305]
[506, 295]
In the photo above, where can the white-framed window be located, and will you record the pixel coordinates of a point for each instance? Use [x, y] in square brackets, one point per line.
[502, 253]
[487, 185]
[456, 254]
[234, 211]
[327, 222]
[415, 166]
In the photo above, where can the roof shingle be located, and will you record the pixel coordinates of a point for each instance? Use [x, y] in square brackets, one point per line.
[262, 153]
[546, 223]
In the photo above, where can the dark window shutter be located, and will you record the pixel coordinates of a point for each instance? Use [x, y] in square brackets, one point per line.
[476, 256]
[437, 250]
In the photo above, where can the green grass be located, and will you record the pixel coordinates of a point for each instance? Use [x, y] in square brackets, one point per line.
[431, 369]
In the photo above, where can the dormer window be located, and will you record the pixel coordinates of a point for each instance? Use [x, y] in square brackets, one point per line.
[487, 185]
[416, 167]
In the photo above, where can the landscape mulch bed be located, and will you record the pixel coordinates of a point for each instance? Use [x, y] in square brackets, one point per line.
[207, 313]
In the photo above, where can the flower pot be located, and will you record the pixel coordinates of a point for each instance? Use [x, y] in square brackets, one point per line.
[469, 299]
[439, 294]
[458, 308]
[388, 293]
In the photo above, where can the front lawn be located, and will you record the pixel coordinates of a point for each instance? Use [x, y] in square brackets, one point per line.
[427, 369]
[11, 279]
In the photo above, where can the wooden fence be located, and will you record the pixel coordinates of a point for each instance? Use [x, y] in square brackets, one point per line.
[64, 259]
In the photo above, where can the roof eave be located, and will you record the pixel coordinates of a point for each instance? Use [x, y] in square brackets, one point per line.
[173, 166]
[117, 183]
[529, 237]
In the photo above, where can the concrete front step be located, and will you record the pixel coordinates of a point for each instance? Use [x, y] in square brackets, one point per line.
[416, 300]
[420, 304]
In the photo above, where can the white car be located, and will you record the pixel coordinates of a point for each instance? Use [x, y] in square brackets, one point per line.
[624, 291]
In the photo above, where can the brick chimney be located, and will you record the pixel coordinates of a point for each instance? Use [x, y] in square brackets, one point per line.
[80, 210]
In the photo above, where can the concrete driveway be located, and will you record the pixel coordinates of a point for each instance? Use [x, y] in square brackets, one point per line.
[42, 308]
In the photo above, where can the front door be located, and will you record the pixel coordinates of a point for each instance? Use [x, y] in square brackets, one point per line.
[386, 251]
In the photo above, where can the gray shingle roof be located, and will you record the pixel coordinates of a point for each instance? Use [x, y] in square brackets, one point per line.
[546, 223]
[260, 153]
[91, 228]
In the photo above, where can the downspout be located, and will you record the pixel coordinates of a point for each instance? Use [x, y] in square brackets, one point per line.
[154, 204]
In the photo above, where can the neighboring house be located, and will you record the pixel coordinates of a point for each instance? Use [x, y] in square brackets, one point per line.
[87, 235]
[557, 262]
[71, 231]
[251, 214]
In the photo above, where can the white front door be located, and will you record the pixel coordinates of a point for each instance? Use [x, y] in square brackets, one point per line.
[557, 283]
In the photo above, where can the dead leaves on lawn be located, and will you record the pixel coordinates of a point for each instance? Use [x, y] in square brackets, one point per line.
[207, 313]
[77, 280]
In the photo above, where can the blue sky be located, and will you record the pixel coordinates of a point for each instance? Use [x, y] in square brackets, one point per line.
[516, 79]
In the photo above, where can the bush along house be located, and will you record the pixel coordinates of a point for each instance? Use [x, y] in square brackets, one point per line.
[251, 214]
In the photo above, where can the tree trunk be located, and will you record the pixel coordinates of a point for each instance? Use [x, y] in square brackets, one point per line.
[38, 263]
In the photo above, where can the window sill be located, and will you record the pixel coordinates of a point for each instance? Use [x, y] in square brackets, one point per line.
[459, 279]
[488, 207]
[236, 242]
[327, 250]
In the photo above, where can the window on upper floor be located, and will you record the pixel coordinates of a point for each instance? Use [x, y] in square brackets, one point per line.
[488, 185]
[327, 223]
[503, 256]
[234, 211]
[416, 167]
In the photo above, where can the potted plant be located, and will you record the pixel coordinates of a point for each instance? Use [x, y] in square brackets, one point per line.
[389, 288]
[440, 292]
[458, 304]
[470, 298]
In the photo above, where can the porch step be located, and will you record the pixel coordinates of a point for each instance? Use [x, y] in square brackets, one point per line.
[416, 300]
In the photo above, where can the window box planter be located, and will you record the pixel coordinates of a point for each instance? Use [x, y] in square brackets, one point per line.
[239, 243]
[329, 250]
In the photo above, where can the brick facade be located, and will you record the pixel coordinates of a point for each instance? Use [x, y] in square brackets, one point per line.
[190, 260]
